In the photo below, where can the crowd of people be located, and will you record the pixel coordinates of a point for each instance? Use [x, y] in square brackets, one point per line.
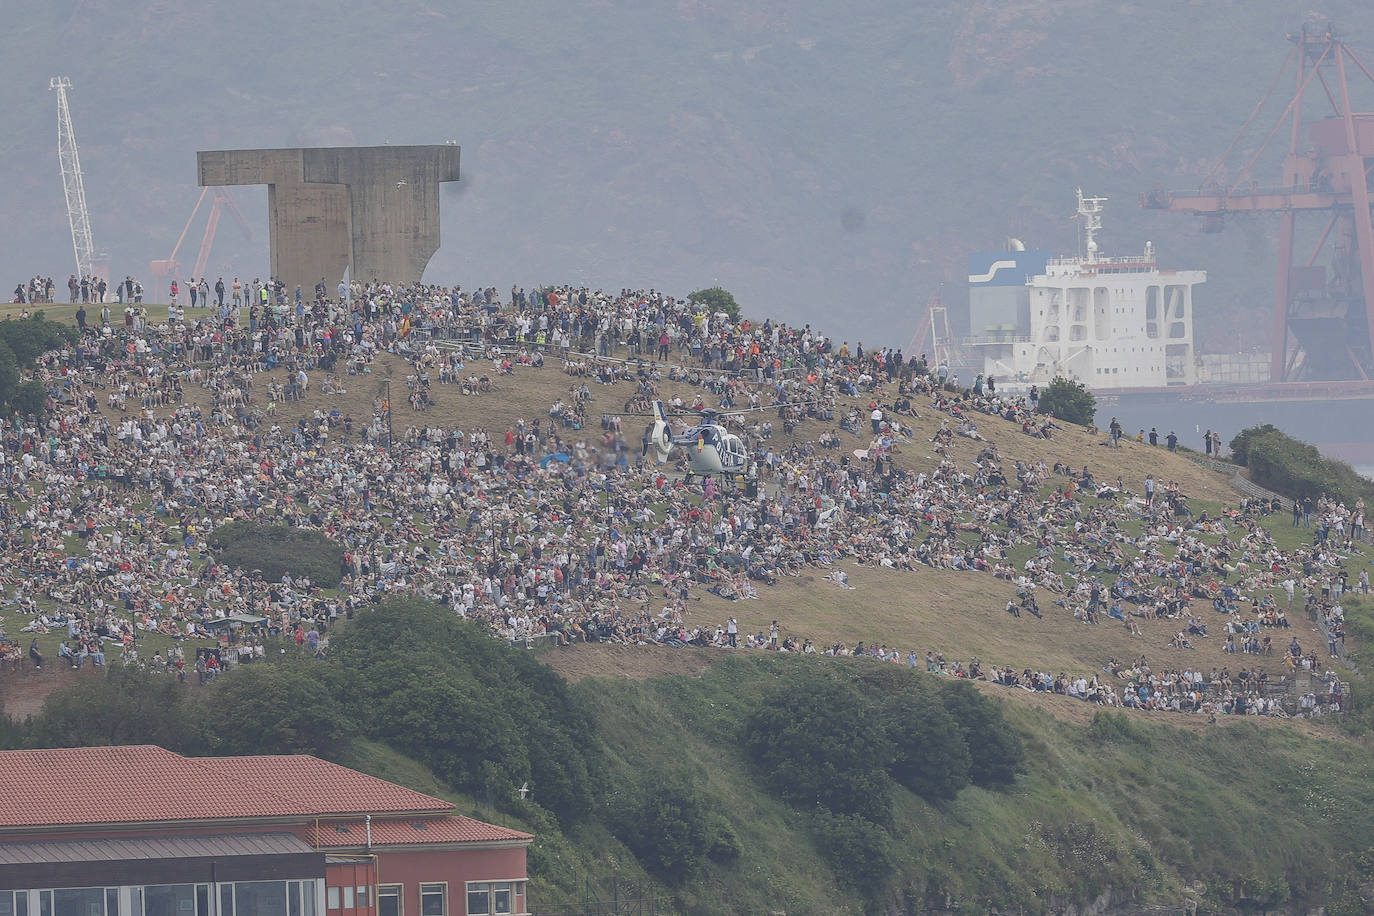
[559, 527]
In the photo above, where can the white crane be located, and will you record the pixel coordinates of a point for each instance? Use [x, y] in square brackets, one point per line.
[70, 161]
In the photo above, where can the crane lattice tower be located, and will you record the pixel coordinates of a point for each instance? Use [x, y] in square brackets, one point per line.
[70, 160]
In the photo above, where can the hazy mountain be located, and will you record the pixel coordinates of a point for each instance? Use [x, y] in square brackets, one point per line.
[827, 162]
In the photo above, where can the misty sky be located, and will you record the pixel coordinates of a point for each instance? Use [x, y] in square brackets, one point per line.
[828, 163]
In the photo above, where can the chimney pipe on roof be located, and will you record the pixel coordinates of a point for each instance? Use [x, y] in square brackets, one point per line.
[367, 822]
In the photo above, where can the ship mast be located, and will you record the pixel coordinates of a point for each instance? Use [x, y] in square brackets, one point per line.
[1090, 212]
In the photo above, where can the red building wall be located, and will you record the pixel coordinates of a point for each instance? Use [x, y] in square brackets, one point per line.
[413, 868]
[353, 875]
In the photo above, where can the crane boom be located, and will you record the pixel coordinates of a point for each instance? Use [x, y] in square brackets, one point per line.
[1323, 318]
[72, 185]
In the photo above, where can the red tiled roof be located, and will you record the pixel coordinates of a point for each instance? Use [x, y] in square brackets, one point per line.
[142, 784]
[326, 787]
[101, 785]
[412, 832]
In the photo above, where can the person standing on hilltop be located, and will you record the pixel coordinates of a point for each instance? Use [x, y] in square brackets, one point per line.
[219, 292]
[1207, 442]
[1172, 441]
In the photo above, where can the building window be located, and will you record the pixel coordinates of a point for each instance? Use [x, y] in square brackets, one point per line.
[496, 898]
[332, 898]
[433, 900]
[176, 900]
[389, 900]
[261, 898]
[14, 903]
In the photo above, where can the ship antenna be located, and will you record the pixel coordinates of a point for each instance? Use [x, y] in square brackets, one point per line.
[1090, 212]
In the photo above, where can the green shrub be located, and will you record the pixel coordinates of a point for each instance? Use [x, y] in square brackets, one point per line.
[997, 755]
[1068, 400]
[21, 343]
[817, 742]
[276, 550]
[667, 825]
[1115, 728]
[715, 299]
[1294, 468]
[275, 708]
[930, 756]
[725, 843]
[483, 715]
[858, 850]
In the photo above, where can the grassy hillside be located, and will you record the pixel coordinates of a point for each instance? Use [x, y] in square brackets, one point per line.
[1125, 810]
[1135, 808]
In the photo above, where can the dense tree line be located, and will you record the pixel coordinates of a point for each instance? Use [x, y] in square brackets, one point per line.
[835, 743]
[22, 341]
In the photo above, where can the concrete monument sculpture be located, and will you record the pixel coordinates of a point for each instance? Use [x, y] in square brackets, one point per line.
[370, 210]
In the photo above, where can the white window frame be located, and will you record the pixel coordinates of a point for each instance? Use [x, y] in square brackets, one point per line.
[399, 893]
[518, 889]
[444, 886]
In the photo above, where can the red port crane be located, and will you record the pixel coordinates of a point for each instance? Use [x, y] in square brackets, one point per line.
[171, 267]
[1323, 323]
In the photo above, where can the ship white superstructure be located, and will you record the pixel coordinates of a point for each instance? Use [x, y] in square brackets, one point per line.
[1108, 322]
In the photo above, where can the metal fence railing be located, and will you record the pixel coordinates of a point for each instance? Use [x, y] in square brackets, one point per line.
[607, 897]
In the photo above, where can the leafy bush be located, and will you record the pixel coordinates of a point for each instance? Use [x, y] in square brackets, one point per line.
[1294, 468]
[482, 715]
[275, 708]
[21, 343]
[1068, 400]
[725, 843]
[996, 753]
[930, 756]
[1240, 443]
[277, 550]
[667, 825]
[858, 850]
[127, 706]
[715, 299]
[1115, 728]
[817, 742]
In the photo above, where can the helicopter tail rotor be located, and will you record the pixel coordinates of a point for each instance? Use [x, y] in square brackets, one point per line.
[661, 436]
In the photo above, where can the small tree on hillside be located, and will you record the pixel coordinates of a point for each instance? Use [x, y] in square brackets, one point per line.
[715, 299]
[1068, 400]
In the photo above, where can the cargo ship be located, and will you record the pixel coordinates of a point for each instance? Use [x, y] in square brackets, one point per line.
[1123, 326]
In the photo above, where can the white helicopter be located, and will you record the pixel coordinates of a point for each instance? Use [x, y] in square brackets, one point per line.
[710, 447]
